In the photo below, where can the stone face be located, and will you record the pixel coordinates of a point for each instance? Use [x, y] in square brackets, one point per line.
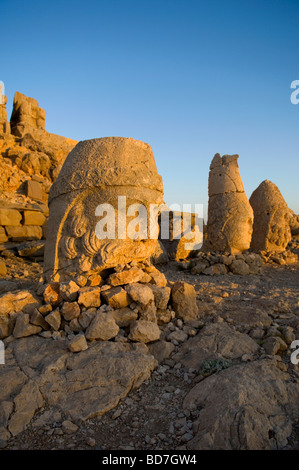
[100, 171]
[183, 298]
[144, 331]
[103, 327]
[230, 216]
[271, 228]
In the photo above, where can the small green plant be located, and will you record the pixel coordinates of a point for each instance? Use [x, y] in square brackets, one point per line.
[210, 366]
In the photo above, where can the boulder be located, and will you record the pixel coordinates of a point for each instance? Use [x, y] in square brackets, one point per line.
[123, 317]
[244, 407]
[144, 331]
[70, 310]
[126, 277]
[83, 385]
[89, 296]
[116, 297]
[77, 343]
[214, 341]
[20, 300]
[23, 326]
[103, 327]
[183, 297]
[140, 293]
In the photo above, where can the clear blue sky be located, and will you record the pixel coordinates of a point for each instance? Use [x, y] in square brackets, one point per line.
[189, 77]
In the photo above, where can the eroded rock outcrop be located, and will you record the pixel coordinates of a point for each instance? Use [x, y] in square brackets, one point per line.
[271, 228]
[4, 125]
[230, 215]
[115, 171]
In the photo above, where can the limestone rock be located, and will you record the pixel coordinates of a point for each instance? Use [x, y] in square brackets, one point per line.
[52, 294]
[33, 218]
[10, 217]
[81, 386]
[3, 269]
[271, 228]
[124, 316]
[214, 341]
[126, 277]
[100, 171]
[116, 297]
[5, 327]
[239, 266]
[144, 331]
[37, 319]
[23, 327]
[256, 403]
[24, 232]
[89, 296]
[183, 298]
[161, 296]
[230, 215]
[77, 343]
[86, 317]
[54, 319]
[31, 248]
[21, 300]
[216, 269]
[161, 349]
[103, 327]
[274, 344]
[26, 114]
[4, 124]
[140, 293]
[69, 290]
[70, 310]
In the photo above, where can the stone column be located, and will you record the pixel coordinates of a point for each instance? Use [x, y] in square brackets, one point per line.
[230, 216]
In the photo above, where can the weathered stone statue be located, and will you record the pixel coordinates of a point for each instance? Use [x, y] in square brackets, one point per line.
[230, 216]
[115, 171]
[271, 228]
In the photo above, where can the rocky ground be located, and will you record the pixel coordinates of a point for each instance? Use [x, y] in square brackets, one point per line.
[224, 381]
